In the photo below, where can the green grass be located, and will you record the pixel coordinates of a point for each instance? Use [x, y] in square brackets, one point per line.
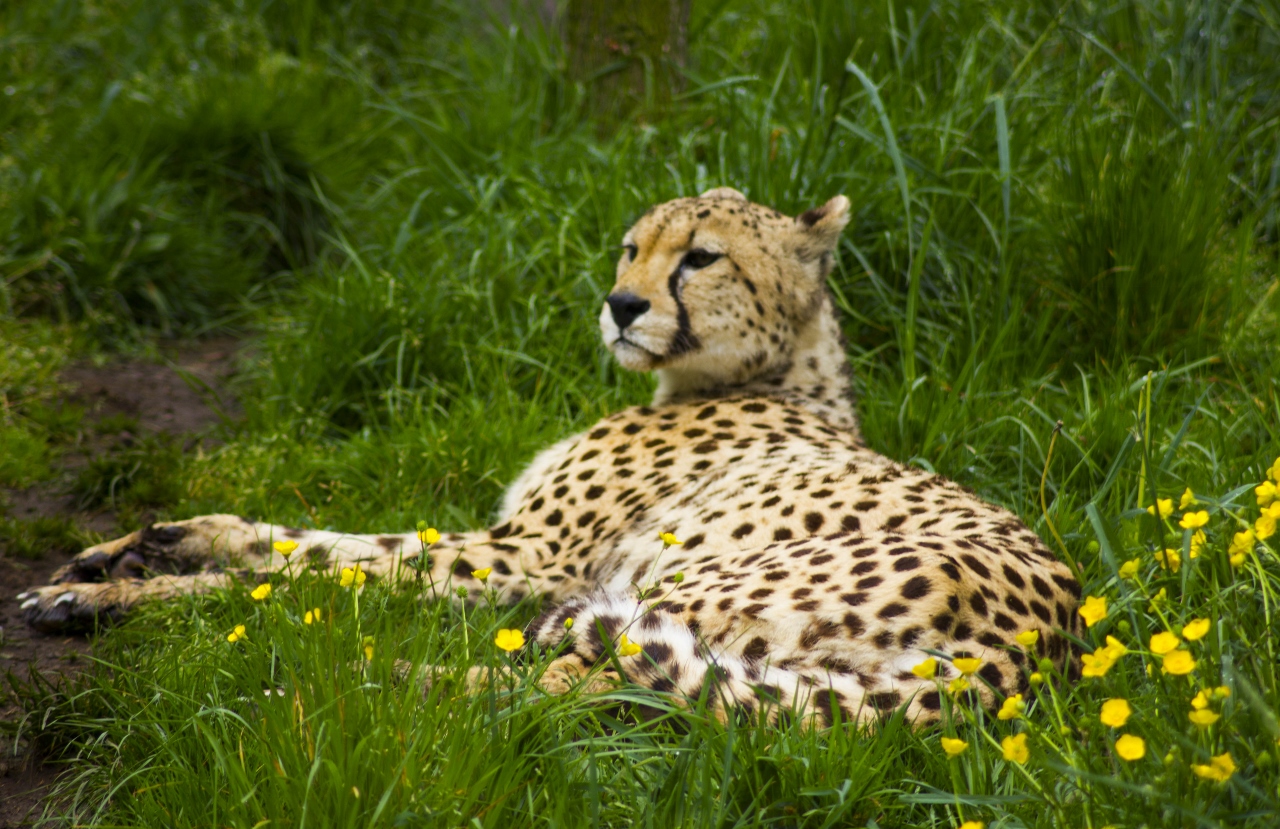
[1058, 211]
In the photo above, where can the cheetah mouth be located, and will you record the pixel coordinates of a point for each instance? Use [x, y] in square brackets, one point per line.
[623, 341]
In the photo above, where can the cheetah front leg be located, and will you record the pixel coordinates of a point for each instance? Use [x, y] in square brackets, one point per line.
[167, 560]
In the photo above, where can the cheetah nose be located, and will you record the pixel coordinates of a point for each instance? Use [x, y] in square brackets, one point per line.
[625, 308]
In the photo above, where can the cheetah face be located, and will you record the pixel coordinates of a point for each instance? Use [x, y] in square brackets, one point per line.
[719, 287]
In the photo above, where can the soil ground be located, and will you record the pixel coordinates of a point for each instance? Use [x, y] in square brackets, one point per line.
[183, 398]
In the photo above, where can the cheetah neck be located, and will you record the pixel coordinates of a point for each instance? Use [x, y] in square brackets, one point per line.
[816, 376]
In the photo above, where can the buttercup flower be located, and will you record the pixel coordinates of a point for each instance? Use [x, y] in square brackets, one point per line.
[1115, 712]
[1158, 599]
[1188, 499]
[972, 824]
[1131, 748]
[1221, 692]
[1165, 506]
[953, 747]
[311, 616]
[428, 536]
[1012, 708]
[1164, 642]
[284, 548]
[669, 539]
[1200, 700]
[1093, 610]
[1179, 663]
[1129, 569]
[1204, 717]
[958, 685]
[367, 642]
[237, 634]
[1194, 520]
[482, 575]
[1036, 678]
[1241, 545]
[509, 640]
[1015, 748]
[1169, 559]
[1219, 768]
[967, 665]
[352, 576]
[926, 669]
[1198, 540]
[627, 647]
[1265, 526]
[261, 592]
[1274, 472]
[1028, 638]
[1195, 629]
[1097, 664]
[568, 623]
[1267, 493]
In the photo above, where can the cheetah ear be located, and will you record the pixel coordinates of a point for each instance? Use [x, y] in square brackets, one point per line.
[723, 193]
[825, 223]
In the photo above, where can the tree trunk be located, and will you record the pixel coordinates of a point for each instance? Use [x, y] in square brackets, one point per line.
[626, 52]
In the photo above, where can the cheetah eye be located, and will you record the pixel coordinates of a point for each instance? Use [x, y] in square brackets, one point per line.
[632, 251]
[699, 258]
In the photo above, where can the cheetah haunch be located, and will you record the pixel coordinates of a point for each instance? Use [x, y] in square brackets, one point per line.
[817, 572]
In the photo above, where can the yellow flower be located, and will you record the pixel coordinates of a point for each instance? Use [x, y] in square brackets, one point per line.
[1265, 526]
[953, 747]
[1198, 540]
[1220, 768]
[967, 665]
[368, 648]
[1097, 664]
[972, 824]
[1188, 499]
[1093, 610]
[261, 592]
[1158, 599]
[669, 539]
[1241, 545]
[237, 634]
[1169, 559]
[1012, 708]
[1274, 472]
[1164, 642]
[1194, 520]
[926, 669]
[352, 576]
[1015, 748]
[1221, 692]
[1165, 506]
[1195, 629]
[509, 640]
[311, 616]
[482, 574]
[1179, 663]
[958, 685]
[428, 536]
[1115, 712]
[1131, 748]
[1028, 638]
[1204, 717]
[1036, 678]
[1129, 569]
[1267, 493]
[284, 548]
[568, 623]
[627, 647]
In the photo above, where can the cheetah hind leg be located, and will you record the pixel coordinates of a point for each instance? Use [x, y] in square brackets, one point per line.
[672, 660]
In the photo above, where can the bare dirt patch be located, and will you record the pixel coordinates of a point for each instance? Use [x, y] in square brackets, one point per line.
[125, 402]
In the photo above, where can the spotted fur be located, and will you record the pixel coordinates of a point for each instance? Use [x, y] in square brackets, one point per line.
[816, 572]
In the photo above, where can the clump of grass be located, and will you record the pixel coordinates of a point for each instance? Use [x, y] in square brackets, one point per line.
[34, 538]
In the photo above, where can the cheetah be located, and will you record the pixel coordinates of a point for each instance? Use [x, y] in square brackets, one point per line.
[813, 573]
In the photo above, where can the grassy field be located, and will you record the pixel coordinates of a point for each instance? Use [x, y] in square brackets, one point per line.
[1062, 212]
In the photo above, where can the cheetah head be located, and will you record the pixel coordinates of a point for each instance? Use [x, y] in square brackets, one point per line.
[718, 288]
